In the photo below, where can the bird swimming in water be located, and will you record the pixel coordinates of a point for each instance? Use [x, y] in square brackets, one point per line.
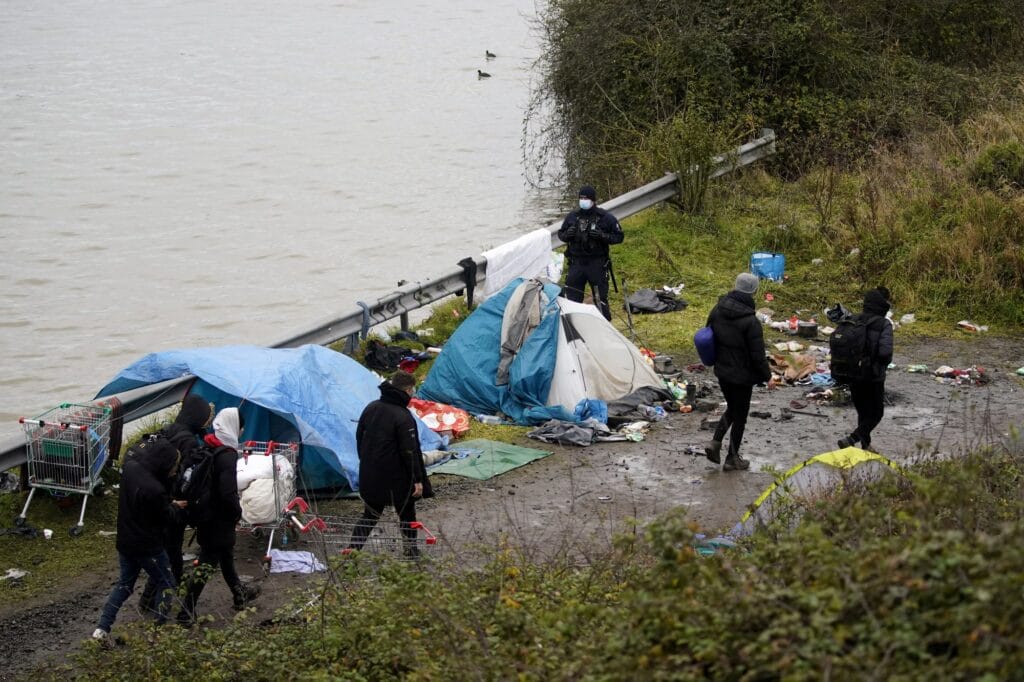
[489, 55]
[481, 74]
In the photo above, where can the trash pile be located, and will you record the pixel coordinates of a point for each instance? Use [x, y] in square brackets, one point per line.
[971, 376]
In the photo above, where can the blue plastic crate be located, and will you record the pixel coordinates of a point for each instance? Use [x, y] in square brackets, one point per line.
[770, 266]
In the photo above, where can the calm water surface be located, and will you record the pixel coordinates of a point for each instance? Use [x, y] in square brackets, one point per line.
[183, 174]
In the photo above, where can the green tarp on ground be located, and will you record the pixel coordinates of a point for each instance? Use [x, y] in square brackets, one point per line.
[486, 459]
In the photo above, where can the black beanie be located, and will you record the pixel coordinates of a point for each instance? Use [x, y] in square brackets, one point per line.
[196, 413]
[876, 301]
[588, 192]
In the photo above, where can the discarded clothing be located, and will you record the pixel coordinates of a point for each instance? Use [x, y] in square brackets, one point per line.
[651, 301]
[282, 561]
[568, 433]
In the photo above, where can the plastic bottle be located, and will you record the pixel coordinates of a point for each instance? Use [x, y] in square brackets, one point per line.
[488, 419]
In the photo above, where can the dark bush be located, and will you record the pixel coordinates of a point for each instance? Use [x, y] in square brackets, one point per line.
[1000, 165]
[832, 78]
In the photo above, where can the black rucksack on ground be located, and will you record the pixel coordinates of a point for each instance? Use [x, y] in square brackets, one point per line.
[195, 485]
[848, 346]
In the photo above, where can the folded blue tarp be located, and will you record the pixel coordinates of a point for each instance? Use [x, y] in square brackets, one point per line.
[309, 394]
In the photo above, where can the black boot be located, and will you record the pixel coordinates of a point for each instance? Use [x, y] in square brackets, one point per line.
[713, 451]
[243, 594]
[733, 461]
[849, 441]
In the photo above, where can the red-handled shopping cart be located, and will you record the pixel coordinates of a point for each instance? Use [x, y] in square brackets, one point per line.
[389, 537]
[67, 448]
[267, 472]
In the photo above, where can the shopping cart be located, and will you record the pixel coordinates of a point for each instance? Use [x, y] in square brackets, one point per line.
[67, 448]
[269, 502]
[334, 537]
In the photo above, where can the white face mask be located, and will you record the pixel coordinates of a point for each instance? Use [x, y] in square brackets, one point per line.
[586, 204]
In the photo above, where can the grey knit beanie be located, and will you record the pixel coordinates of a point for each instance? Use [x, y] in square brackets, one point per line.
[746, 282]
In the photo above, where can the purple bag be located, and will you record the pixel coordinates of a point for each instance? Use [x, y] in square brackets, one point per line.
[704, 340]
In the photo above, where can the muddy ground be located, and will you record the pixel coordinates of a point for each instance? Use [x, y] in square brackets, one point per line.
[576, 499]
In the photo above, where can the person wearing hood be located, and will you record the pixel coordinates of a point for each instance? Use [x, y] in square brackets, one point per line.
[185, 433]
[216, 536]
[868, 394]
[740, 362]
[144, 510]
[391, 469]
[589, 231]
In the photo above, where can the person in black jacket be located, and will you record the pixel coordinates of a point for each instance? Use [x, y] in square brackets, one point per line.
[740, 362]
[184, 434]
[144, 510]
[589, 231]
[216, 536]
[391, 469]
[868, 394]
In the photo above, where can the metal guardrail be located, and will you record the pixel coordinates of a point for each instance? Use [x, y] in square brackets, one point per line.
[398, 304]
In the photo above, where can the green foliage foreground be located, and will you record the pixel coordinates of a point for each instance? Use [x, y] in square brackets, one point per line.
[911, 578]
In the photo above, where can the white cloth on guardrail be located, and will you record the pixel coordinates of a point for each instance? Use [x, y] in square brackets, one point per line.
[267, 490]
[527, 256]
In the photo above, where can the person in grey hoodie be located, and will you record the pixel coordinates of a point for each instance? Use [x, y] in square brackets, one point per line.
[740, 362]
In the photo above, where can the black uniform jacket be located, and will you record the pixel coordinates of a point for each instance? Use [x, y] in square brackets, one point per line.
[589, 233]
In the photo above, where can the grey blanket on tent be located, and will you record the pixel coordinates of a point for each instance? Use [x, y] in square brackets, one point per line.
[645, 395]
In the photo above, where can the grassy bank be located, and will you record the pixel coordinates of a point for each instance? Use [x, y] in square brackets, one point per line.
[918, 219]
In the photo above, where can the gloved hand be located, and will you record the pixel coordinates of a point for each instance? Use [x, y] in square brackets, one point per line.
[571, 232]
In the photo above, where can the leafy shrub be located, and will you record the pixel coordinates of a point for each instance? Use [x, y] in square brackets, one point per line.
[913, 578]
[1000, 165]
[833, 79]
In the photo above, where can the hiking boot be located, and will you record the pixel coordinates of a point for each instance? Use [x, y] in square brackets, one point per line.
[244, 593]
[735, 463]
[848, 441]
[713, 451]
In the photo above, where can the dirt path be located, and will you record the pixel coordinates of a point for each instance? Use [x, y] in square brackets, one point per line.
[576, 499]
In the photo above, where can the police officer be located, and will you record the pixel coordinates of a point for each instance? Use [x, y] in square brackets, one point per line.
[589, 232]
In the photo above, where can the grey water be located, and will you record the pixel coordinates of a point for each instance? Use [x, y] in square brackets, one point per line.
[178, 174]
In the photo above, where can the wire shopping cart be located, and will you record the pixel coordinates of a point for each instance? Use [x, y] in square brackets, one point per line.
[336, 535]
[67, 448]
[269, 501]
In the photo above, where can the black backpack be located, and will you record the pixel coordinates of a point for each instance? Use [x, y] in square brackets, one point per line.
[851, 356]
[195, 485]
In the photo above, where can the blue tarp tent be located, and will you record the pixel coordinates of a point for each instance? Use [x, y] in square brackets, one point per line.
[463, 374]
[558, 353]
[309, 394]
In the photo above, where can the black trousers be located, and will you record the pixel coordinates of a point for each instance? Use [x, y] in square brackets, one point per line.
[869, 399]
[210, 557]
[737, 400]
[174, 538]
[372, 511]
[592, 271]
